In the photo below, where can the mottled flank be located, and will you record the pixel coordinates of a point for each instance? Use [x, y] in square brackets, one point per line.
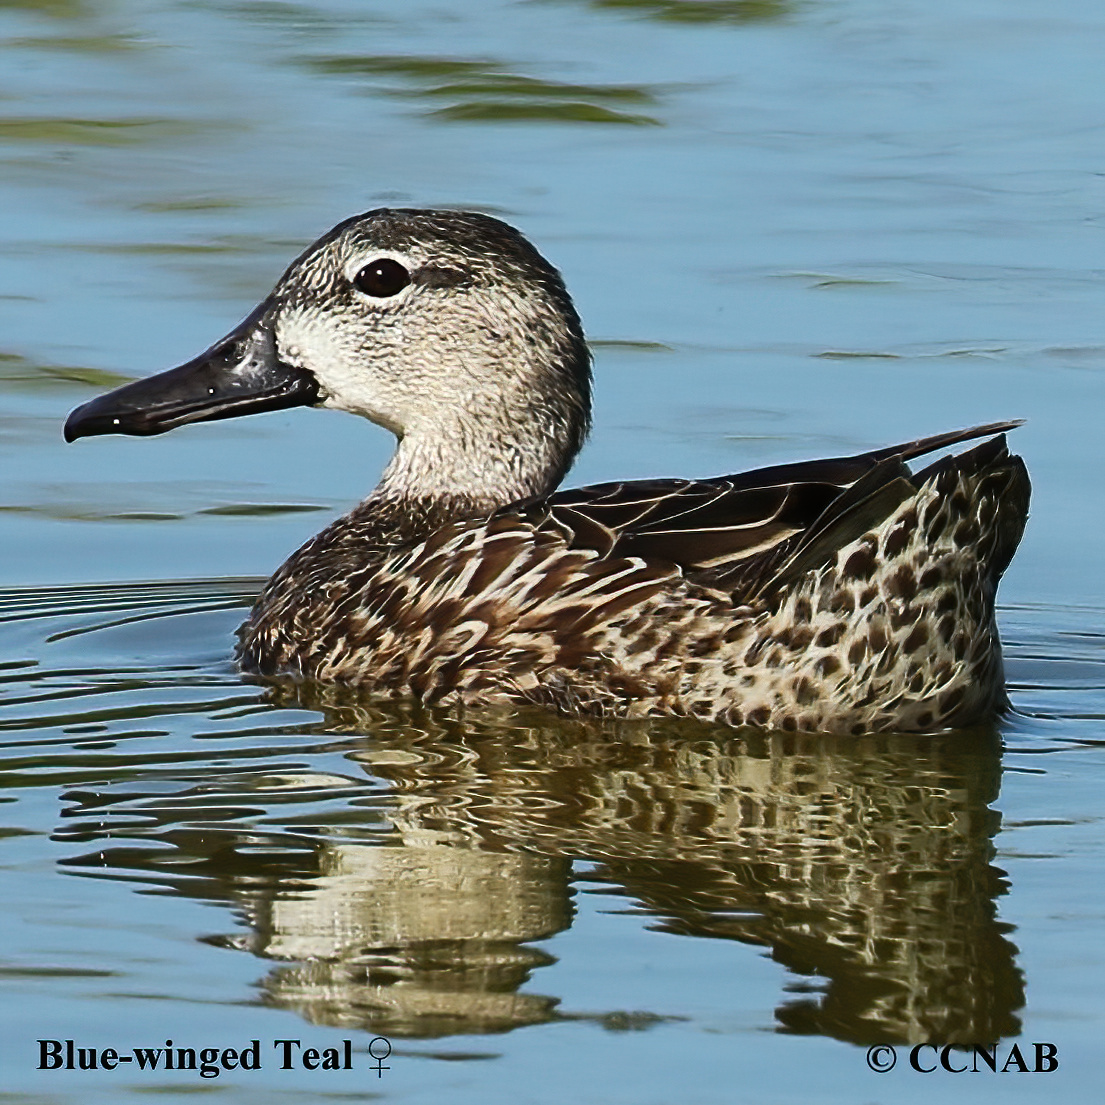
[744, 600]
[848, 595]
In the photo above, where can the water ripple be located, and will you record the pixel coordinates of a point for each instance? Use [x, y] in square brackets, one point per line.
[366, 841]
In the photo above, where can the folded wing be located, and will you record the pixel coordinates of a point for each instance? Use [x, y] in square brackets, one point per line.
[747, 534]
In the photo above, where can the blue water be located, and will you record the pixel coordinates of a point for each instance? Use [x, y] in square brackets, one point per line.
[792, 229]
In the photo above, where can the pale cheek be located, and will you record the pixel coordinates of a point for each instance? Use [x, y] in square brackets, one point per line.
[320, 351]
[349, 380]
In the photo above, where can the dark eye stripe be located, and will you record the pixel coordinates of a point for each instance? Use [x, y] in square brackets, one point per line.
[382, 278]
[433, 276]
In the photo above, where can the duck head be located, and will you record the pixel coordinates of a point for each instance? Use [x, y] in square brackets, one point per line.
[447, 328]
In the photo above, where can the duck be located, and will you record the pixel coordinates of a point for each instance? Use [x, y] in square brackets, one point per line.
[848, 595]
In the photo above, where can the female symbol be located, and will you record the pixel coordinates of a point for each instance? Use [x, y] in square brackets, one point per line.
[385, 1042]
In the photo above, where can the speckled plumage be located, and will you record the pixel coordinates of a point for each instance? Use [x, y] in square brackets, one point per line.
[888, 625]
[846, 595]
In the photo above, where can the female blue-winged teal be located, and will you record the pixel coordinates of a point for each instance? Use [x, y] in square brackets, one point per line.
[846, 595]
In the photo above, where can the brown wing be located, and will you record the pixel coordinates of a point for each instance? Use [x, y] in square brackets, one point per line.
[735, 532]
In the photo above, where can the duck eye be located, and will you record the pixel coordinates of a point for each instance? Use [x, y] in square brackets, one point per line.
[382, 278]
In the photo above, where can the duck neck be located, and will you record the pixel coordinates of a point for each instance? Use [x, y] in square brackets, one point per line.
[500, 422]
[470, 466]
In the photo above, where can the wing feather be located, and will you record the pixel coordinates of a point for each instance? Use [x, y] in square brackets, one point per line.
[742, 532]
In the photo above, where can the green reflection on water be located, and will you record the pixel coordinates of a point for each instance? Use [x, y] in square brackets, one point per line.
[57, 9]
[703, 11]
[418, 68]
[25, 373]
[158, 249]
[189, 204]
[94, 132]
[629, 345]
[509, 85]
[483, 90]
[302, 16]
[259, 510]
[79, 513]
[88, 511]
[82, 44]
[538, 112]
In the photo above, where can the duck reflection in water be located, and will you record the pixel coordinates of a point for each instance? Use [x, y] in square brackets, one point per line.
[863, 865]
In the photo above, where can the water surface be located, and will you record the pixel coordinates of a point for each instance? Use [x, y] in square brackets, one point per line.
[792, 229]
